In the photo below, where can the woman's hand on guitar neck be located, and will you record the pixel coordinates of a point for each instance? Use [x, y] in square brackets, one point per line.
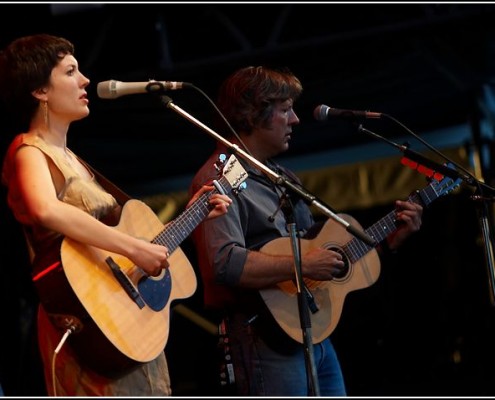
[219, 202]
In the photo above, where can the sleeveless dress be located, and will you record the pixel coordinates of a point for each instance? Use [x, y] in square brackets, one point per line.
[71, 378]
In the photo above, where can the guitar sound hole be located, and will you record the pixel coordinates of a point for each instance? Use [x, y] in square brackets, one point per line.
[345, 270]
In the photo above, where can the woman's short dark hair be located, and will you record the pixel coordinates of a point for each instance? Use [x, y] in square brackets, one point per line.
[26, 65]
[247, 97]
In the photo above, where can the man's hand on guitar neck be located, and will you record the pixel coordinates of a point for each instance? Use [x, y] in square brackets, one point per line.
[409, 218]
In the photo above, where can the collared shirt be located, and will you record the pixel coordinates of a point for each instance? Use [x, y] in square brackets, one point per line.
[255, 217]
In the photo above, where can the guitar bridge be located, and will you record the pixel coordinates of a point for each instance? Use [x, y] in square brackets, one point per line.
[125, 282]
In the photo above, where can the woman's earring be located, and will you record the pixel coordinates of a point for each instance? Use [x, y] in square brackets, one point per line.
[45, 112]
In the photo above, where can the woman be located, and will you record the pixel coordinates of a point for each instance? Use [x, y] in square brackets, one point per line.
[54, 194]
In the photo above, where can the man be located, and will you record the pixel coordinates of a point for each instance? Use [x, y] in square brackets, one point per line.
[258, 103]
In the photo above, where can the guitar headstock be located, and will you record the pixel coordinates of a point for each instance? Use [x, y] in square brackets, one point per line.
[444, 184]
[439, 186]
[232, 171]
[439, 182]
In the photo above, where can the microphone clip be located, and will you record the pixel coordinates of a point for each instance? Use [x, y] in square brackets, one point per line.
[155, 87]
[281, 204]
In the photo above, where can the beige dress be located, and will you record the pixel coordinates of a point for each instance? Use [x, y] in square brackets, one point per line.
[72, 378]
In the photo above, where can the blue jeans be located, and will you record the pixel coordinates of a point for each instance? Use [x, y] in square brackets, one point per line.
[269, 363]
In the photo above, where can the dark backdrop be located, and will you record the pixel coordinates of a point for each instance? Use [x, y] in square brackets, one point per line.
[426, 327]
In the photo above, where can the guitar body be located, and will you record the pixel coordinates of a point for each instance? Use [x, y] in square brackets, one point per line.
[113, 334]
[329, 296]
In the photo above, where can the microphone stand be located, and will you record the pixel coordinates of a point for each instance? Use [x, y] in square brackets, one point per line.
[278, 179]
[482, 209]
[303, 305]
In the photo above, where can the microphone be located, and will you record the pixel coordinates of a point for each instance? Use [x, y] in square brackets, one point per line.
[323, 112]
[112, 89]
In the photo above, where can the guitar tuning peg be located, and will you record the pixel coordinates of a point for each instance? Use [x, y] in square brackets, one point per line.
[222, 158]
[239, 188]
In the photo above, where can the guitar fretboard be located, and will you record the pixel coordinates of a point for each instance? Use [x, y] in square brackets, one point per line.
[182, 226]
[355, 248]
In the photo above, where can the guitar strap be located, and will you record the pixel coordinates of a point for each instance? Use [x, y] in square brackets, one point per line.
[109, 186]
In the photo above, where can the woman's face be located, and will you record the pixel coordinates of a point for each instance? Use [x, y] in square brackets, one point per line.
[66, 92]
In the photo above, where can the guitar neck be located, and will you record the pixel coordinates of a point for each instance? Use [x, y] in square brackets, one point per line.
[182, 226]
[355, 248]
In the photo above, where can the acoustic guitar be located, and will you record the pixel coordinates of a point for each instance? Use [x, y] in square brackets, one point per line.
[362, 269]
[119, 315]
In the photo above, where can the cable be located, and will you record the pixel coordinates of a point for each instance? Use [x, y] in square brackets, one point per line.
[67, 333]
